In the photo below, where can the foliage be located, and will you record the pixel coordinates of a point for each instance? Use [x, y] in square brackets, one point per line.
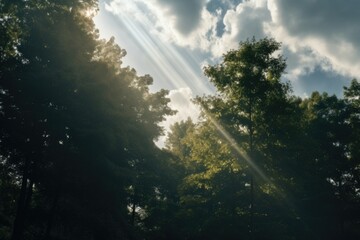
[77, 152]
[77, 128]
[300, 155]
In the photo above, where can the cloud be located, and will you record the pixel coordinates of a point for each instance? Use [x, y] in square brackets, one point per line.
[316, 35]
[243, 22]
[303, 61]
[319, 17]
[215, 25]
[319, 39]
[181, 101]
[187, 13]
[186, 23]
[329, 28]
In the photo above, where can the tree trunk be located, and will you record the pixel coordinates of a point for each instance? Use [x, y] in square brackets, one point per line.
[251, 205]
[341, 207]
[22, 204]
[50, 220]
[251, 153]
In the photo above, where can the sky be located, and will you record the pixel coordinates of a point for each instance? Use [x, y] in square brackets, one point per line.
[172, 40]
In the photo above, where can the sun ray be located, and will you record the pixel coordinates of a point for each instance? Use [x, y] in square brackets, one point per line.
[171, 64]
[233, 143]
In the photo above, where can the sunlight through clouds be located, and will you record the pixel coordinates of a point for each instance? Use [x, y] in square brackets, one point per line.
[175, 38]
[167, 58]
[218, 26]
[179, 48]
[169, 61]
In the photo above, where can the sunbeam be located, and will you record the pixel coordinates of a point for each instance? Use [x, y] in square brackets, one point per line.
[167, 59]
[236, 147]
[256, 169]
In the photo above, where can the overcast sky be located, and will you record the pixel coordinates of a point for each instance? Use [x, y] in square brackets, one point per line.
[173, 39]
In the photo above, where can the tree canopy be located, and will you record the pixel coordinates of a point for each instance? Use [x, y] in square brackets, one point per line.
[77, 128]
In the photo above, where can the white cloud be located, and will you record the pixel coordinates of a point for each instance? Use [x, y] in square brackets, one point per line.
[302, 61]
[189, 23]
[181, 101]
[243, 22]
[329, 28]
[118, 7]
[316, 34]
[198, 35]
[186, 23]
[186, 13]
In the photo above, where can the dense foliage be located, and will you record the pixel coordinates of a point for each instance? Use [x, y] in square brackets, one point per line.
[263, 164]
[77, 129]
[77, 152]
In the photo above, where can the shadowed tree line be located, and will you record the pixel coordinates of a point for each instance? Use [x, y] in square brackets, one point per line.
[77, 153]
[77, 128]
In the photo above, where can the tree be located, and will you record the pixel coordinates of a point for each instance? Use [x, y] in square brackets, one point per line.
[352, 98]
[212, 192]
[251, 99]
[324, 185]
[76, 126]
[352, 184]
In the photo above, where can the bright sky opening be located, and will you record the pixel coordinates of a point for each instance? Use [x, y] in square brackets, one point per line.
[172, 40]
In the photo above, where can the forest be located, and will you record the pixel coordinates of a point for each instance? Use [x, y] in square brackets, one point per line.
[78, 158]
